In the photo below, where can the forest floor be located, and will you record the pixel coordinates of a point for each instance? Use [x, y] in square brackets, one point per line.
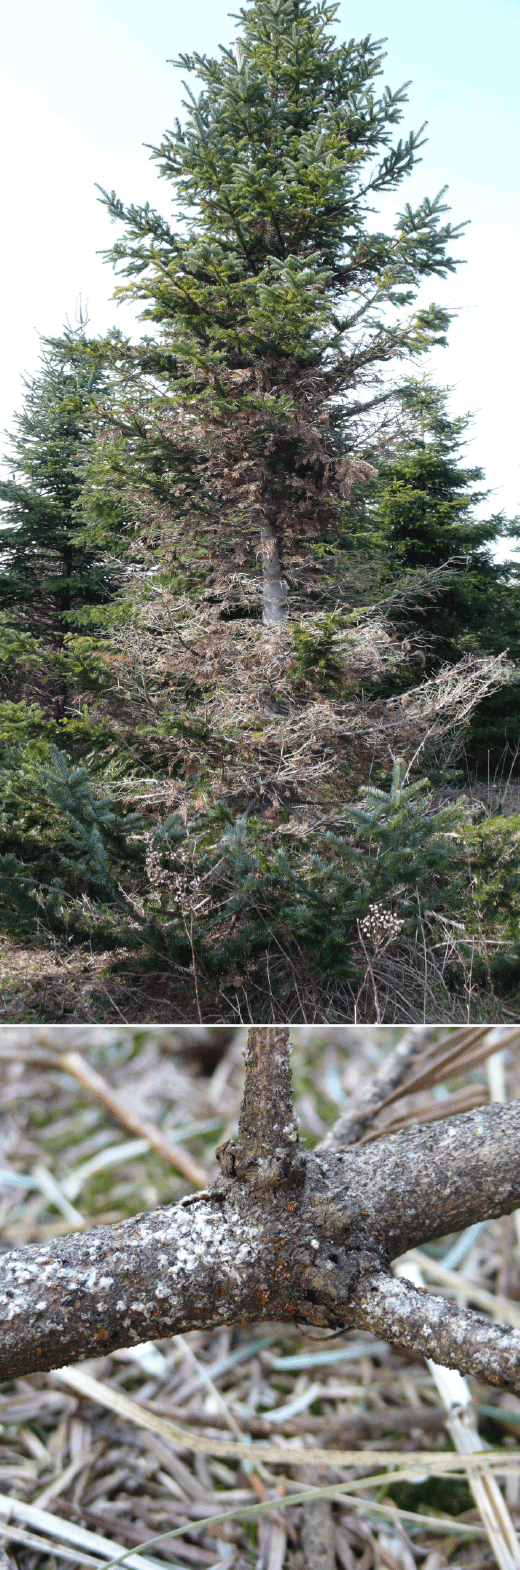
[78, 986]
[60, 985]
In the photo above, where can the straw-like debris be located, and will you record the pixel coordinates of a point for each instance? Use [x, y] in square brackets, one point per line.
[258, 726]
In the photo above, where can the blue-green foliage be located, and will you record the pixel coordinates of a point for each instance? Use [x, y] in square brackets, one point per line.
[88, 822]
[307, 899]
[61, 841]
[408, 845]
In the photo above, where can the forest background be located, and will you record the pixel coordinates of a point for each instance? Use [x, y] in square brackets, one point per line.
[260, 717]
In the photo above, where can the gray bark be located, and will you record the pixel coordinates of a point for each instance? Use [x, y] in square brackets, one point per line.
[415, 1319]
[282, 1235]
[267, 1151]
[274, 591]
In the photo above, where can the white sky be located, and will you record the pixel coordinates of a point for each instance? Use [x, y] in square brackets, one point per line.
[84, 83]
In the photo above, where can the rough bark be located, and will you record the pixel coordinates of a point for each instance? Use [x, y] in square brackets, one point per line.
[187, 1265]
[413, 1318]
[282, 1235]
[268, 1148]
[427, 1180]
[274, 592]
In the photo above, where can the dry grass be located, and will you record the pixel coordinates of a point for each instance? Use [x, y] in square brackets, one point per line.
[402, 985]
[74, 1458]
[60, 984]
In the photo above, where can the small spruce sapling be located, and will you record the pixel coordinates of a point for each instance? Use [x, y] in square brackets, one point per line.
[409, 846]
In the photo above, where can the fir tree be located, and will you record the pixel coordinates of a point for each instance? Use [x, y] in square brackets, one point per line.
[421, 515]
[46, 569]
[425, 499]
[278, 303]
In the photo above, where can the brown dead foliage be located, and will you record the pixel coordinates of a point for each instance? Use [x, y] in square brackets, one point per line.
[239, 717]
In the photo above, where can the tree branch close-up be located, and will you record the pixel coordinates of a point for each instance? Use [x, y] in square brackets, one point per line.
[286, 1233]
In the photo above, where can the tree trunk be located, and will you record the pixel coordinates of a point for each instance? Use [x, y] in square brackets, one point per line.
[284, 1234]
[274, 591]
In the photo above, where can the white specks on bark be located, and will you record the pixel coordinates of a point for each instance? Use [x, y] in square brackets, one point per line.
[452, 1336]
[283, 1233]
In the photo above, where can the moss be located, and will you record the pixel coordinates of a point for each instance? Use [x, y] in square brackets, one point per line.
[448, 1495]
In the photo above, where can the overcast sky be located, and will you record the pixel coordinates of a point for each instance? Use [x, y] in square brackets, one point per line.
[84, 83]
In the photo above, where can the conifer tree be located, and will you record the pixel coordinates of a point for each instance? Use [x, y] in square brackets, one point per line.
[422, 515]
[424, 497]
[278, 303]
[46, 569]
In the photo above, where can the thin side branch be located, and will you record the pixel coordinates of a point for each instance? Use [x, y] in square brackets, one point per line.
[399, 1075]
[351, 1124]
[453, 1056]
[413, 1318]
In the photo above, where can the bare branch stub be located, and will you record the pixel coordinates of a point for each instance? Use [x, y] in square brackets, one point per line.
[267, 1152]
